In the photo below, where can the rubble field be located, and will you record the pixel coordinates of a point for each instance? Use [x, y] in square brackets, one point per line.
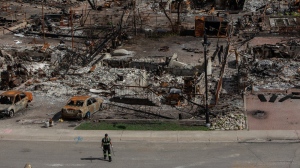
[230, 65]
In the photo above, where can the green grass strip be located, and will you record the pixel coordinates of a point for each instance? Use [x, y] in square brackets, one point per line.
[158, 126]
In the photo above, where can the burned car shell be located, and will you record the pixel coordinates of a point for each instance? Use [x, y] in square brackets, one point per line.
[81, 106]
[13, 101]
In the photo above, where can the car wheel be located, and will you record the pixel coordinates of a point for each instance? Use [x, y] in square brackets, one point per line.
[100, 107]
[88, 115]
[11, 113]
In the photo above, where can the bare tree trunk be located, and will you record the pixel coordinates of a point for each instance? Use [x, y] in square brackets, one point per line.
[139, 14]
[168, 17]
[178, 11]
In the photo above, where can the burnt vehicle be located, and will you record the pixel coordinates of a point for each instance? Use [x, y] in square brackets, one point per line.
[79, 107]
[13, 101]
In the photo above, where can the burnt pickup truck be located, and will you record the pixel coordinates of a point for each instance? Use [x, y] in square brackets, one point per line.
[13, 101]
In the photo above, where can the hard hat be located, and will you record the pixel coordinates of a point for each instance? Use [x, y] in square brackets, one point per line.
[27, 165]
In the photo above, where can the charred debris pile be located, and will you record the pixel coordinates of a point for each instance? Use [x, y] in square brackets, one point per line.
[88, 57]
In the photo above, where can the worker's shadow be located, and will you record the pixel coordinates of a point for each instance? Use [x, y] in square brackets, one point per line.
[94, 158]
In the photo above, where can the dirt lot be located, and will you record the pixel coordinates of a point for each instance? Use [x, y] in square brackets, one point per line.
[145, 47]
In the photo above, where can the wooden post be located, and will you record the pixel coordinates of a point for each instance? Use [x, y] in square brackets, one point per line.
[72, 31]
[43, 22]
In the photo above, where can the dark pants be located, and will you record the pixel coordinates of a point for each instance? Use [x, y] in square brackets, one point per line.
[106, 148]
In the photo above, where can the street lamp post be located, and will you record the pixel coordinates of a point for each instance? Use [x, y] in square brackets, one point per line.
[205, 44]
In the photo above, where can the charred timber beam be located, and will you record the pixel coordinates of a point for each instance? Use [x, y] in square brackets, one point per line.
[106, 28]
[7, 20]
[9, 30]
[58, 35]
[92, 4]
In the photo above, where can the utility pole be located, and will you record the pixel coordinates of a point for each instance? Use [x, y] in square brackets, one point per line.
[205, 44]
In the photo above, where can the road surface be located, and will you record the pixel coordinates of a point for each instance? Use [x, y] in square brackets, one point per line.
[15, 154]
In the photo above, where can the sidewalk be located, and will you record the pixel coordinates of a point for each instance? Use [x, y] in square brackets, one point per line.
[60, 135]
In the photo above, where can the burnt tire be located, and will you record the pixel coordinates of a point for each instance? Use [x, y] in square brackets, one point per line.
[100, 107]
[88, 115]
[11, 113]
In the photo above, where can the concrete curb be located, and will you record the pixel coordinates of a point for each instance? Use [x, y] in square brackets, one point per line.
[65, 135]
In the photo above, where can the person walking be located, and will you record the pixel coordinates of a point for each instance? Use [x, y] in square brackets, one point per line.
[106, 143]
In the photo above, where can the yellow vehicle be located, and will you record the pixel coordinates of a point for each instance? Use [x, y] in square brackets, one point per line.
[13, 101]
[80, 107]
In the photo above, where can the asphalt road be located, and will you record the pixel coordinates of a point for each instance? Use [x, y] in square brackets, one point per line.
[15, 154]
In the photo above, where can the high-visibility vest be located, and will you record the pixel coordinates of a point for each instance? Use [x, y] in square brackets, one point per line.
[106, 141]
